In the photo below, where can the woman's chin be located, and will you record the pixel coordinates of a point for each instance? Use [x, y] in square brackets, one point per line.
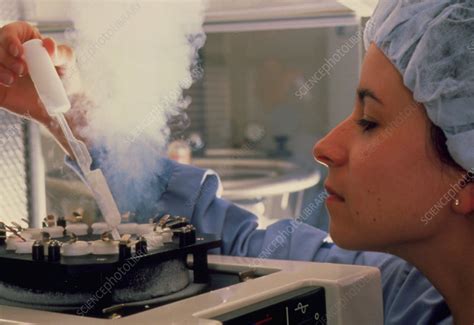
[347, 244]
[351, 240]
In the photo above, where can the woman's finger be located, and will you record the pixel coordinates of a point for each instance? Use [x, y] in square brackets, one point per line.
[15, 65]
[12, 37]
[7, 78]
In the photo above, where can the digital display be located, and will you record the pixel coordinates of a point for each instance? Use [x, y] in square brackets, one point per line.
[303, 306]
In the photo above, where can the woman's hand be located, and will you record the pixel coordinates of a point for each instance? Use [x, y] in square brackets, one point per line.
[17, 92]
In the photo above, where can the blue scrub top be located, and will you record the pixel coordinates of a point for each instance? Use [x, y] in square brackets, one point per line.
[409, 298]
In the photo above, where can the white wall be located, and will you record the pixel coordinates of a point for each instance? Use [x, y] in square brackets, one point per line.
[46, 10]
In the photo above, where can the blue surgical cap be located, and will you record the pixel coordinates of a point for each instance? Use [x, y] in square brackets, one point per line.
[431, 43]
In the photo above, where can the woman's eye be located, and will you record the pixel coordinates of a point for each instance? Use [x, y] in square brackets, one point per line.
[366, 125]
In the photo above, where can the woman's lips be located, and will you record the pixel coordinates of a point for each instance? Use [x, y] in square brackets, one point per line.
[333, 195]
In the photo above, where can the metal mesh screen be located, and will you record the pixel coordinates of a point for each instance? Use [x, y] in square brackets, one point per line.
[13, 171]
[13, 175]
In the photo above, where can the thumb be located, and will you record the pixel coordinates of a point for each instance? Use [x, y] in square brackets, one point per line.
[62, 56]
[50, 46]
[64, 60]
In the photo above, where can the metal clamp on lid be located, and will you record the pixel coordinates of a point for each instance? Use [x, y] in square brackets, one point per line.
[172, 222]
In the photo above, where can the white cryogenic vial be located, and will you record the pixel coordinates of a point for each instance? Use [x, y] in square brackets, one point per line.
[144, 229]
[33, 233]
[127, 228]
[78, 229]
[154, 240]
[98, 228]
[12, 241]
[79, 248]
[45, 78]
[24, 247]
[99, 247]
[54, 232]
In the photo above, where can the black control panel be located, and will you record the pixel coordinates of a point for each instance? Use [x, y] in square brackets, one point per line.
[303, 306]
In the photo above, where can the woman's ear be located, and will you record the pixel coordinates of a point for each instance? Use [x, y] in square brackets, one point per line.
[464, 201]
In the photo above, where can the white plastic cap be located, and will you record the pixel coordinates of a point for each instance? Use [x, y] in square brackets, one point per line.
[45, 78]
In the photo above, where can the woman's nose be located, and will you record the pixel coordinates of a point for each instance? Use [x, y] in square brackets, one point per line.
[332, 150]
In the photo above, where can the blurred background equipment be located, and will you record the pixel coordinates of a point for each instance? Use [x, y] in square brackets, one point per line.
[274, 77]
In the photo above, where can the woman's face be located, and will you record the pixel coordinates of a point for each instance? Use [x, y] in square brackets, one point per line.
[385, 169]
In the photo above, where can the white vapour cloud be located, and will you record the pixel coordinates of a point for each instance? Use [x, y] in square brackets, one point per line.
[135, 58]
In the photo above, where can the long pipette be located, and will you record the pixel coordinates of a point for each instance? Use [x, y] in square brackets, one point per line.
[53, 95]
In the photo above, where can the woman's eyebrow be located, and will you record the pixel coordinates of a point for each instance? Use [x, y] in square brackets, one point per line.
[365, 92]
